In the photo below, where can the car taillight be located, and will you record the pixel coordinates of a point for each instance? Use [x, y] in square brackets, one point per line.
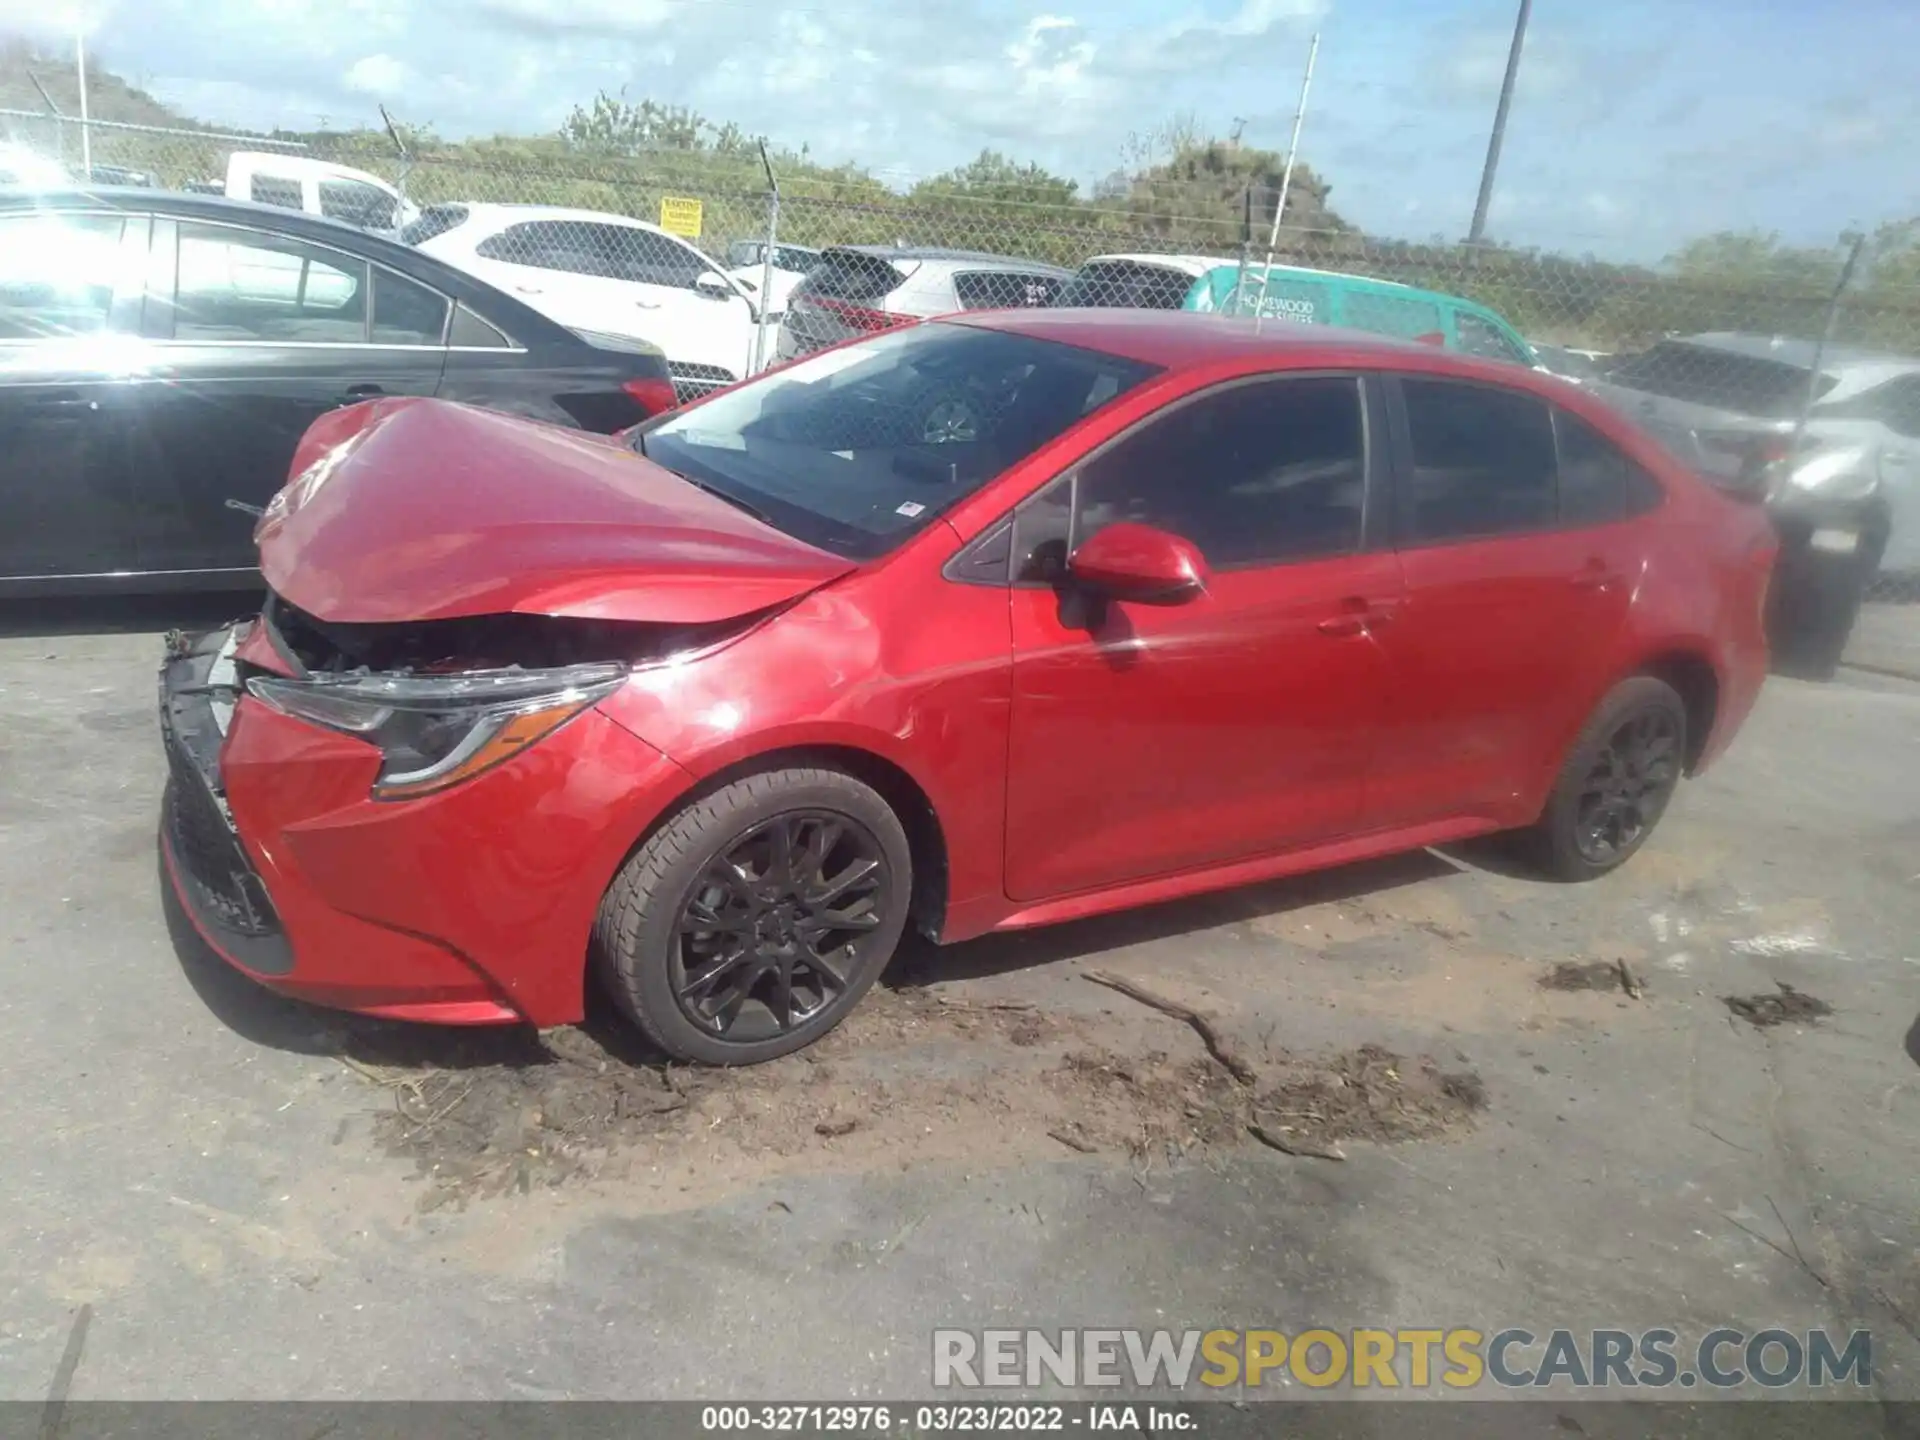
[859, 316]
[651, 393]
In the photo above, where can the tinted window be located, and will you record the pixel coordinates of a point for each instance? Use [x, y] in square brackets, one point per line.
[358, 203]
[1003, 289]
[1397, 315]
[1482, 337]
[851, 275]
[1705, 375]
[1598, 483]
[1127, 284]
[57, 274]
[1252, 474]
[855, 449]
[273, 190]
[547, 245]
[471, 332]
[406, 312]
[646, 258]
[237, 284]
[1483, 461]
[434, 220]
[1042, 528]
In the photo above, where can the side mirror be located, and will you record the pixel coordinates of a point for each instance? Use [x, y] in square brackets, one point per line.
[1139, 563]
[710, 286]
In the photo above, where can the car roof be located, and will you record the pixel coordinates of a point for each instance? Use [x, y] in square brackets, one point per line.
[514, 210]
[1800, 354]
[1194, 265]
[1187, 339]
[940, 252]
[492, 302]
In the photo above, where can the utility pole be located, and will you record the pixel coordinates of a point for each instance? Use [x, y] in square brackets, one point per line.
[1286, 174]
[86, 130]
[1479, 225]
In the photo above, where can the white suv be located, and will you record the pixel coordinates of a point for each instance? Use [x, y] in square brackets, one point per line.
[607, 274]
[853, 289]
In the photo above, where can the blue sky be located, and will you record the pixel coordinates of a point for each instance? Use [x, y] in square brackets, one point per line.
[1638, 123]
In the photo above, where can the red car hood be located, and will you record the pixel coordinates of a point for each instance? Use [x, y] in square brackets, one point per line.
[413, 509]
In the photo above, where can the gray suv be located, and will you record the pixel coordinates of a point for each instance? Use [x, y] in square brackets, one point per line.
[1846, 500]
[853, 289]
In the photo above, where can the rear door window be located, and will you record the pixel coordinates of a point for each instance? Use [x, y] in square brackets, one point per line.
[1128, 284]
[57, 274]
[235, 284]
[1599, 483]
[1004, 289]
[547, 245]
[358, 203]
[276, 190]
[1402, 316]
[1483, 462]
[406, 312]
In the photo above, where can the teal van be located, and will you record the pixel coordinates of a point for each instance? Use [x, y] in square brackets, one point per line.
[1384, 307]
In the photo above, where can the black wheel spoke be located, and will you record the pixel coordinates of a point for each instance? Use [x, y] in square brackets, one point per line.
[706, 985]
[779, 874]
[848, 919]
[833, 889]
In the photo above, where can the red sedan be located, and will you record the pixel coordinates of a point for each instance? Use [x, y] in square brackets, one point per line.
[980, 624]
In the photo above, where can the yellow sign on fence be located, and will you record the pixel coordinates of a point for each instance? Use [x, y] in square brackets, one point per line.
[680, 216]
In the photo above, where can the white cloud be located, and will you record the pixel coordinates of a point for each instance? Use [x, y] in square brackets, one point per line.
[380, 75]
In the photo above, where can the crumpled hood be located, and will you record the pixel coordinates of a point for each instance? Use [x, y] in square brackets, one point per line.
[415, 509]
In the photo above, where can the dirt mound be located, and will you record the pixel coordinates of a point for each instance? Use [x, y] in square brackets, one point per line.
[1766, 1011]
[911, 1075]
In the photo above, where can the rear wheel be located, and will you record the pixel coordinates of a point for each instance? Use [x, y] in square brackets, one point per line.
[1616, 781]
[749, 924]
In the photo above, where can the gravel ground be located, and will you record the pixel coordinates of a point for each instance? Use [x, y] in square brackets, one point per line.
[1547, 1107]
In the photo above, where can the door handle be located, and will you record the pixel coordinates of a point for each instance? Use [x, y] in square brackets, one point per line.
[64, 400]
[354, 394]
[528, 289]
[1595, 575]
[1357, 613]
[647, 304]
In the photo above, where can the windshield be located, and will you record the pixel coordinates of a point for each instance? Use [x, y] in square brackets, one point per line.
[1126, 284]
[857, 448]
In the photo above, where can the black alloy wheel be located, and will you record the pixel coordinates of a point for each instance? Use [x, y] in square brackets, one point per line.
[1628, 786]
[772, 928]
[752, 919]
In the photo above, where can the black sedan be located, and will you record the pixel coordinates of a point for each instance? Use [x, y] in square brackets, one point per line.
[161, 355]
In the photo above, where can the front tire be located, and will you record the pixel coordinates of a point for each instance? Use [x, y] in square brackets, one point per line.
[1615, 782]
[752, 921]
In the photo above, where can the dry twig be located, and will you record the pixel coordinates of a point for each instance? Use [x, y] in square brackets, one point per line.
[1203, 1025]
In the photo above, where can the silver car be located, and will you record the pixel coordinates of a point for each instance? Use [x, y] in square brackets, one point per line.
[855, 289]
[1846, 497]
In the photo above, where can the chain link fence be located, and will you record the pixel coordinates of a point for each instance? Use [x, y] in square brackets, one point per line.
[1717, 350]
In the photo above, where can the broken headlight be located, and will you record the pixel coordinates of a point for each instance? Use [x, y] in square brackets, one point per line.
[437, 730]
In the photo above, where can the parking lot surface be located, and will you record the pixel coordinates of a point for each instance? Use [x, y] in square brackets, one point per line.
[1545, 1111]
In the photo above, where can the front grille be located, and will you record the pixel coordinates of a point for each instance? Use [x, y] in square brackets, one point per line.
[208, 853]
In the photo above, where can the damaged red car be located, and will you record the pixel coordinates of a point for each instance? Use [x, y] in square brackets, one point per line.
[979, 624]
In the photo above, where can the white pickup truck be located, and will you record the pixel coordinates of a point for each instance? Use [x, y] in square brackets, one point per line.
[318, 187]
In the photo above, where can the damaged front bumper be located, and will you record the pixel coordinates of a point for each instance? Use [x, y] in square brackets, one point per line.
[471, 905]
[216, 882]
